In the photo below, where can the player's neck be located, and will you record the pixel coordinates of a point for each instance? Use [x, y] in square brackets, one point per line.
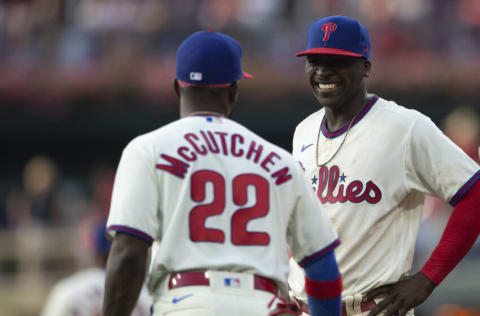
[211, 100]
[339, 116]
[203, 109]
[205, 113]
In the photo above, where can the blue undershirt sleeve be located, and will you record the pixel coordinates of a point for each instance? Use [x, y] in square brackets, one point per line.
[324, 269]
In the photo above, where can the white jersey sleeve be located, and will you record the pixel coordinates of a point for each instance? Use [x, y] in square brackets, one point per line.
[435, 165]
[310, 233]
[134, 205]
[316, 236]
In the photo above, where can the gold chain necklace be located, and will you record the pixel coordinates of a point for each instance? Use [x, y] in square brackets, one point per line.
[344, 138]
[338, 149]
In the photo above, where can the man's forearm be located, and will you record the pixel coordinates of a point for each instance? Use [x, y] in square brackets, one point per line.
[460, 234]
[124, 278]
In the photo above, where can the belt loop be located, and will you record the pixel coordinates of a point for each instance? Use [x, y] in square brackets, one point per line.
[349, 305]
[357, 301]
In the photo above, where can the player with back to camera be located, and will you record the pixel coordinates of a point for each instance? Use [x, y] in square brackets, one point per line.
[81, 294]
[220, 205]
[371, 162]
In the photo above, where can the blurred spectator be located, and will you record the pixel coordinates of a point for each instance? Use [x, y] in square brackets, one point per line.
[44, 198]
[462, 126]
[34, 203]
[81, 294]
[30, 209]
[42, 202]
[101, 180]
[97, 206]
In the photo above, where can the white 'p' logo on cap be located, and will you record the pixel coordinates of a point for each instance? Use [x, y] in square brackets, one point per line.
[197, 76]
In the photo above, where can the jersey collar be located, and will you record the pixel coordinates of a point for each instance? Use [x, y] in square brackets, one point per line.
[366, 108]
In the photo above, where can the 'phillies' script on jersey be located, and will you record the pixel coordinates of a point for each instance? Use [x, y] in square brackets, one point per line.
[221, 143]
[354, 192]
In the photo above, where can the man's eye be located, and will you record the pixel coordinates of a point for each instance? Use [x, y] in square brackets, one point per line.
[341, 62]
[333, 63]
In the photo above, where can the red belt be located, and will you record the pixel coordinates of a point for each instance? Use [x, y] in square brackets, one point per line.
[195, 278]
[364, 307]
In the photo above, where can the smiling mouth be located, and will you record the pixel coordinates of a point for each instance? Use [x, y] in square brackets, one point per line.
[327, 87]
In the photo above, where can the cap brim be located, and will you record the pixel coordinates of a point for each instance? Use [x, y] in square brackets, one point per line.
[327, 51]
[181, 83]
[246, 75]
[188, 84]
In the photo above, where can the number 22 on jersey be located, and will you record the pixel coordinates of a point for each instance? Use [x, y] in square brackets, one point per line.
[240, 218]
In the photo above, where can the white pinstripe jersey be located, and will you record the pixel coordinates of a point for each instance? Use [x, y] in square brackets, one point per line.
[213, 195]
[373, 188]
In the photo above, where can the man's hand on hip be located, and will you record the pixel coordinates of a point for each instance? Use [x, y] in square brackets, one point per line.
[402, 296]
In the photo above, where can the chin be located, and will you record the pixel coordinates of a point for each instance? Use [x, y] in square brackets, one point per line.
[328, 100]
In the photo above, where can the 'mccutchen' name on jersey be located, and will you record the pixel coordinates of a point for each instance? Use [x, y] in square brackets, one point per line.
[207, 142]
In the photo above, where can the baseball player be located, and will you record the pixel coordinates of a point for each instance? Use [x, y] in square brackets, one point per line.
[371, 162]
[81, 294]
[219, 204]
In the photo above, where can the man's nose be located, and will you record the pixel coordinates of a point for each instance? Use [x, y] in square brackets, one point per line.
[323, 69]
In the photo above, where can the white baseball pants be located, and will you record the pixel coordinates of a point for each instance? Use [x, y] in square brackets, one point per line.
[206, 301]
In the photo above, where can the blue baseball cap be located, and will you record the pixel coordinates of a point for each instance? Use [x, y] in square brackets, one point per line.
[338, 35]
[209, 58]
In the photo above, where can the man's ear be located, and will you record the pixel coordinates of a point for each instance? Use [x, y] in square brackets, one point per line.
[233, 93]
[232, 98]
[367, 64]
[176, 87]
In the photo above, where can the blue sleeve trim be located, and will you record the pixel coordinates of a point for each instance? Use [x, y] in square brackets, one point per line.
[319, 253]
[464, 189]
[132, 231]
[324, 268]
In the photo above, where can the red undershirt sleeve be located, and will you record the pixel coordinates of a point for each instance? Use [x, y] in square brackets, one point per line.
[461, 232]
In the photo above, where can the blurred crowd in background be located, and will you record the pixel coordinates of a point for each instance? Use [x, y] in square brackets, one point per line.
[79, 78]
[53, 52]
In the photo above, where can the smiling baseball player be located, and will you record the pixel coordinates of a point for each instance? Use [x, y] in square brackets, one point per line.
[219, 204]
[371, 162]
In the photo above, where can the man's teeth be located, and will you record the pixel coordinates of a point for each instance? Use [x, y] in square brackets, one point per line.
[327, 86]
